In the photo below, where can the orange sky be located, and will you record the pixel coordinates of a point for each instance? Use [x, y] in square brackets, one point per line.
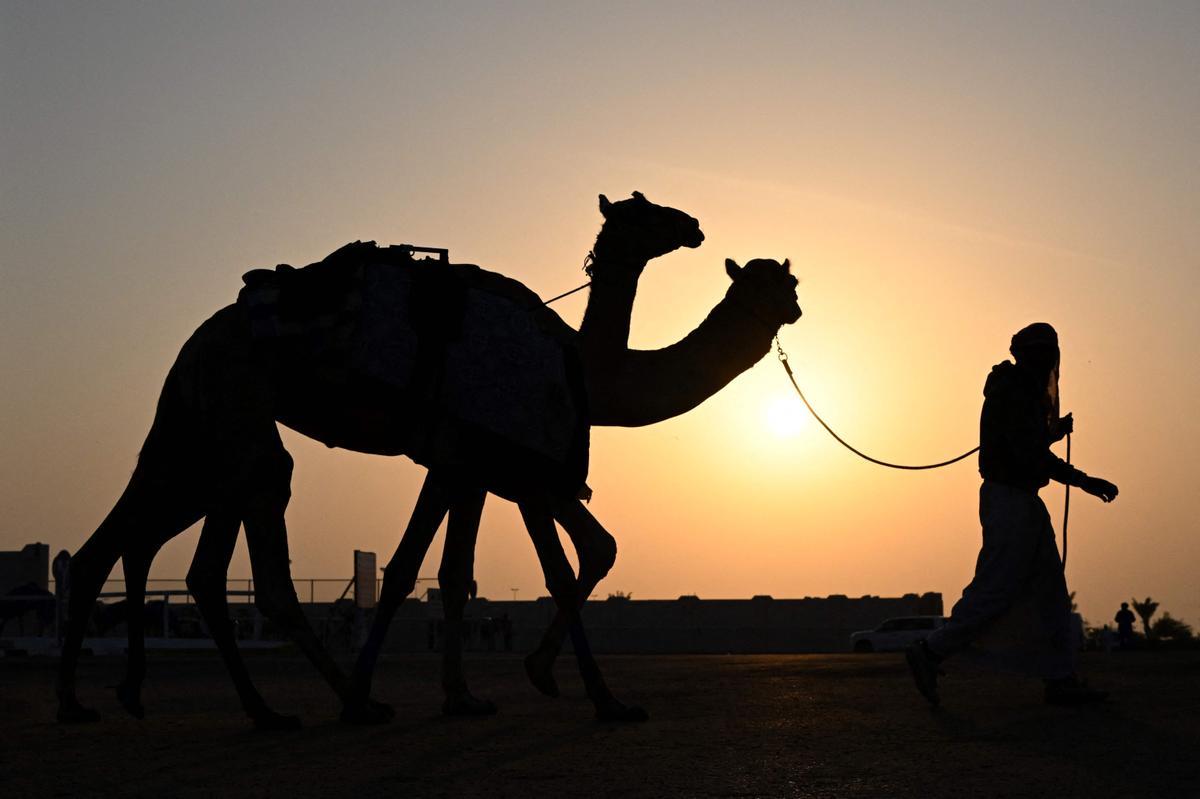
[939, 175]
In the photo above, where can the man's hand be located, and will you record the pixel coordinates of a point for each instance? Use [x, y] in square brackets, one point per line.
[1099, 488]
[1064, 426]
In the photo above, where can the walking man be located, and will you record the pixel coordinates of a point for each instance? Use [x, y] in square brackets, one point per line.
[1016, 612]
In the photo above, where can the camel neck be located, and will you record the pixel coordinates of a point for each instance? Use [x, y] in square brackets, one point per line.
[604, 331]
[647, 386]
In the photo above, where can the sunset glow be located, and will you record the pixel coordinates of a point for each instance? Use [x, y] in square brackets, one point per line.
[939, 174]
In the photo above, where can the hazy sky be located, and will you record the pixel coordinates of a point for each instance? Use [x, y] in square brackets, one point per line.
[940, 175]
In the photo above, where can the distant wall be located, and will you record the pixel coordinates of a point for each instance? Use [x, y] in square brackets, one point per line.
[30, 564]
[685, 625]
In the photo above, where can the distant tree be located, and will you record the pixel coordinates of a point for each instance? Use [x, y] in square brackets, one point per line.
[621, 595]
[1074, 604]
[1145, 610]
[1169, 628]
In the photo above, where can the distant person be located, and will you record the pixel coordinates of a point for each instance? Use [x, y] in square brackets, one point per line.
[1124, 620]
[60, 569]
[1019, 589]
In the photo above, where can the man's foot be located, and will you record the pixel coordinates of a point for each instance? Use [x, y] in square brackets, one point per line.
[464, 704]
[1072, 692]
[130, 698]
[923, 665]
[612, 710]
[539, 669]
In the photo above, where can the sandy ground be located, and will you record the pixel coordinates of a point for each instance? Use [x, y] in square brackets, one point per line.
[803, 726]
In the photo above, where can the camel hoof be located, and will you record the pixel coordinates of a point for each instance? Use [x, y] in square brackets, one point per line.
[270, 721]
[467, 705]
[130, 699]
[616, 711]
[75, 713]
[369, 712]
[541, 676]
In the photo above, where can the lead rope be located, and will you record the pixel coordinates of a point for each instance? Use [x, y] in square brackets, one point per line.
[1066, 506]
[783, 359]
[787, 367]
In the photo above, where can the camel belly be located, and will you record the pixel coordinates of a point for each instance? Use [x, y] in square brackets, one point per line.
[377, 420]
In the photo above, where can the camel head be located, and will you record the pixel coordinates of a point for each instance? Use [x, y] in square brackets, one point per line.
[767, 288]
[637, 230]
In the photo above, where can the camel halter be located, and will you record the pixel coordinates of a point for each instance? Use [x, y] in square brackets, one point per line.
[588, 260]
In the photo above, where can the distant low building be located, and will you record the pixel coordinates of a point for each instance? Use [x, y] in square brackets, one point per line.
[30, 564]
[26, 604]
[687, 625]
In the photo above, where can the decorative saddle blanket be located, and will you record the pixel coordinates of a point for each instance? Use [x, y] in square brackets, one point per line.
[479, 352]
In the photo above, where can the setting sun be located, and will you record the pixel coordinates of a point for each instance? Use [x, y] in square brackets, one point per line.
[784, 415]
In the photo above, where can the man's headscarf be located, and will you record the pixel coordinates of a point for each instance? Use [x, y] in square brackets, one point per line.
[1039, 335]
[1036, 345]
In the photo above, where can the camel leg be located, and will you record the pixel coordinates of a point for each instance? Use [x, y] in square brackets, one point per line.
[561, 582]
[145, 512]
[89, 569]
[597, 552]
[206, 579]
[136, 564]
[399, 579]
[274, 592]
[454, 578]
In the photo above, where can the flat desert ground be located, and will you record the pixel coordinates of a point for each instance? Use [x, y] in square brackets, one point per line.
[720, 726]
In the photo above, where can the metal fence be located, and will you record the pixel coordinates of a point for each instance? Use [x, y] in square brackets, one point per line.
[308, 589]
[171, 593]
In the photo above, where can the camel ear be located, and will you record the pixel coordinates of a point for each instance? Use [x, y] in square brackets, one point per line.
[787, 264]
[732, 269]
[605, 206]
